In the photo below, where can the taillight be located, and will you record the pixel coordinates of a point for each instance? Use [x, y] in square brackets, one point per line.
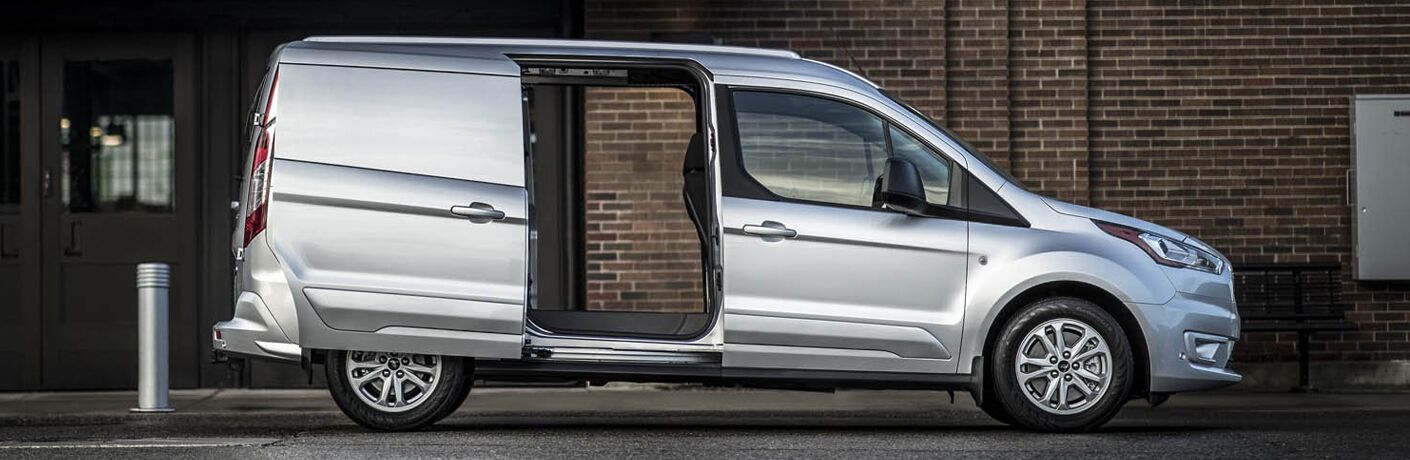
[257, 202]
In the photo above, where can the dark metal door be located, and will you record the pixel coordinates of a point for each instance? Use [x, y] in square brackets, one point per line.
[19, 215]
[118, 149]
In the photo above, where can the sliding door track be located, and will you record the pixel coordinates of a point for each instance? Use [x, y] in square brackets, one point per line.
[610, 355]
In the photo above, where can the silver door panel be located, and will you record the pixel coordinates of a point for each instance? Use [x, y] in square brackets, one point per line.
[369, 312]
[852, 267]
[785, 357]
[422, 340]
[460, 126]
[391, 237]
[902, 341]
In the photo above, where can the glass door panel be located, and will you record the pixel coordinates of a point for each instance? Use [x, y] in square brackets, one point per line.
[117, 133]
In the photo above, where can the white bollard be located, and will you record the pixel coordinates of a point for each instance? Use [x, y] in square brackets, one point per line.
[153, 281]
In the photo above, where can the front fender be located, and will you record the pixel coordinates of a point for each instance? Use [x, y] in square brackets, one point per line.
[1019, 259]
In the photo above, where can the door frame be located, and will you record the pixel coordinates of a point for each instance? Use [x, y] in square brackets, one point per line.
[712, 337]
[186, 195]
[26, 224]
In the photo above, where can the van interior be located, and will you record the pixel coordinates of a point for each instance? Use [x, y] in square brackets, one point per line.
[620, 213]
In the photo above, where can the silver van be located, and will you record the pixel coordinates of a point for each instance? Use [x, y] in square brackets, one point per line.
[401, 228]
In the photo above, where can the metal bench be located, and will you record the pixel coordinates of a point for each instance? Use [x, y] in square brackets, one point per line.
[1301, 298]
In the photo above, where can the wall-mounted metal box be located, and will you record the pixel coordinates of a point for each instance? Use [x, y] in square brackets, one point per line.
[1380, 138]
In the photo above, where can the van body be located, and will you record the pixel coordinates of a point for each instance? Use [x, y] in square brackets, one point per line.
[388, 233]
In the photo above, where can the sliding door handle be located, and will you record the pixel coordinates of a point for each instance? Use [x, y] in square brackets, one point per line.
[770, 230]
[478, 212]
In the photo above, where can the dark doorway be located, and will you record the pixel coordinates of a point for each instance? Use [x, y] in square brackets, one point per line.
[119, 164]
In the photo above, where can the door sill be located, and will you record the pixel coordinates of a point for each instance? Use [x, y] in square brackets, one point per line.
[610, 355]
[535, 337]
[665, 327]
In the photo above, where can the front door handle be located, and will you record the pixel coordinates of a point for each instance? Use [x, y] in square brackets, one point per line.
[770, 230]
[478, 212]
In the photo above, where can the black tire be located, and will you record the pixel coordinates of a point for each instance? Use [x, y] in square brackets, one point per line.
[1009, 393]
[994, 409]
[444, 399]
[468, 370]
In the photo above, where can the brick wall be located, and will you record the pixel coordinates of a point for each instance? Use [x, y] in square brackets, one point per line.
[1227, 120]
[643, 252]
[1232, 123]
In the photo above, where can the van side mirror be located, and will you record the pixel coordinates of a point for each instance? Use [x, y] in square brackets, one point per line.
[901, 188]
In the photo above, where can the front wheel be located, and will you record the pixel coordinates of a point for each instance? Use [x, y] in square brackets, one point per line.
[396, 391]
[1061, 364]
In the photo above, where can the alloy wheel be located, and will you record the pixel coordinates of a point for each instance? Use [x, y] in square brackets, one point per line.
[1063, 366]
[392, 382]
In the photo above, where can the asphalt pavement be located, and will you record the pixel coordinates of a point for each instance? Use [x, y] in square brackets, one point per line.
[645, 422]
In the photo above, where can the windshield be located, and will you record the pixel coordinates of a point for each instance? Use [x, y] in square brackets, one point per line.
[957, 139]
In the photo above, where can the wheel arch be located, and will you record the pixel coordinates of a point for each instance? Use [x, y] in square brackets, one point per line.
[1104, 299]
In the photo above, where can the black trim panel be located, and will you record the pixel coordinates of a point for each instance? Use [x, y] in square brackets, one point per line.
[985, 206]
[734, 182]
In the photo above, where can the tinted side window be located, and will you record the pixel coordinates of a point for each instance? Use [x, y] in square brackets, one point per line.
[934, 170]
[809, 148]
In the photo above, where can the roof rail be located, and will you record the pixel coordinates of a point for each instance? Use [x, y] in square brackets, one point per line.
[848, 72]
[596, 44]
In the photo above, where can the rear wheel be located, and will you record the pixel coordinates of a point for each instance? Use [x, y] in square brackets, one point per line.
[396, 391]
[1061, 364]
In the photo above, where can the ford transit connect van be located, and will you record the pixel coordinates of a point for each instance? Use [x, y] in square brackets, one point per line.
[404, 226]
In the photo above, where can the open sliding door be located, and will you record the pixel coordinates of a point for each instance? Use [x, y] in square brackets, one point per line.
[398, 203]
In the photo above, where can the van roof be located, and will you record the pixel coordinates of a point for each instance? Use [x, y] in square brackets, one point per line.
[487, 55]
[562, 44]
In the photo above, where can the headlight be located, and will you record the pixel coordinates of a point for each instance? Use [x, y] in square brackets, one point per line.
[1166, 250]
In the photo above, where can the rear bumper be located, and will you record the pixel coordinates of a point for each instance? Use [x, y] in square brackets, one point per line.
[1190, 339]
[253, 333]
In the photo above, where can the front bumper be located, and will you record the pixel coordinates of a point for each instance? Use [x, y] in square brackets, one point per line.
[253, 333]
[1190, 339]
